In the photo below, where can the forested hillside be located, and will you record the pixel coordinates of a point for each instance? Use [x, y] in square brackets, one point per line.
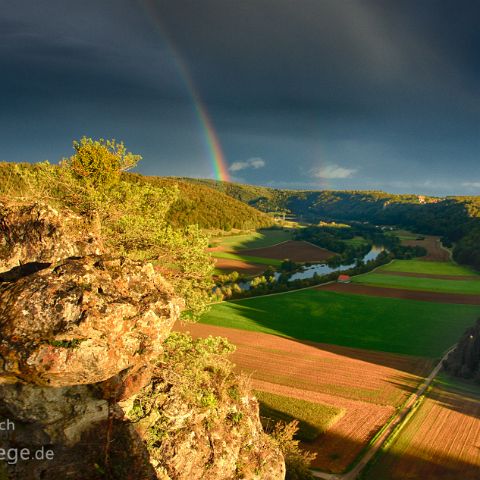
[456, 219]
[198, 205]
[194, 205]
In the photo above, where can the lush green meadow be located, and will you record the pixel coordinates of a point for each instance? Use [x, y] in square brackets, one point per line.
[427, 267]
[259, 239]
[360, 321]
[471, 287]
[314, 418]
[248, 258]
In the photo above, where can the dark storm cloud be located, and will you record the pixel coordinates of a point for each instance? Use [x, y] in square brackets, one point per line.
[385, 89]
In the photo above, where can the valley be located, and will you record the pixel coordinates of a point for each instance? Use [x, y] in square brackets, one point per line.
[359, 348]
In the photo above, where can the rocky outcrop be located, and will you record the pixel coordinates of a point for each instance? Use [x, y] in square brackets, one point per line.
[199, 419]
[38, 234]
[84, 320]
[81, 335]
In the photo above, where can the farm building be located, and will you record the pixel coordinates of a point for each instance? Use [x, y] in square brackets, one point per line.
[344, 279]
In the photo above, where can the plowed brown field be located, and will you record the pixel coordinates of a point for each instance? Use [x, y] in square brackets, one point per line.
[440, 442]
[432, 244]
[296, 251]
[437, 297]
[369, 385]
[230, 265]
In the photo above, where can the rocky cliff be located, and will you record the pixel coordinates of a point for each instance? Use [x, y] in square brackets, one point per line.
[84, 374]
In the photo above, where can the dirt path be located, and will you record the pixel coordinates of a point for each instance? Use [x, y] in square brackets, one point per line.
[397, 423]
[437, 297]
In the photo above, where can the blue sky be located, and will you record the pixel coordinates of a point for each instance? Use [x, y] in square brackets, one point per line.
[309, 94]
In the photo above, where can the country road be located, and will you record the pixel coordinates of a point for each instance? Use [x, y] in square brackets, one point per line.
[398, 421]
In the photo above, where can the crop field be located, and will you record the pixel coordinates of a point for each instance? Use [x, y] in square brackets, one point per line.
[361, 349]
[441, 441]
[356, 241]
[471, 287]
[431, 243]
[405, 235]
[363, 387]
[429, 268]
[359, 321]
[225, 265]
[247, 258]
[259, 239]
[314, 418]
[389, 292]
[297, 251]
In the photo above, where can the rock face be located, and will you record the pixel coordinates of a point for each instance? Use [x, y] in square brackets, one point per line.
[84, 320]
[37, 233]
[80, 337]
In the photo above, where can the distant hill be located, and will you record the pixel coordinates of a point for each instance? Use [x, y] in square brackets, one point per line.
[197, 204]
[262, 198]
[200, 205]
[456, 219]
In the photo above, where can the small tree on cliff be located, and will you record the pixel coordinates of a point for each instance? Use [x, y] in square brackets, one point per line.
[100, 163]
[132, 216]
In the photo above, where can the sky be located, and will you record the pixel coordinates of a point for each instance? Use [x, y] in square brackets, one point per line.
[301, 94]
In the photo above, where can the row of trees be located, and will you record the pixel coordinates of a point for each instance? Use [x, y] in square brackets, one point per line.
[266, 284]
[464, 362]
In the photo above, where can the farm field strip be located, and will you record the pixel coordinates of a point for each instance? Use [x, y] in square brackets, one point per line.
[247, 258]
[383, 378]
[223, 265]
[470, 287]
[441, 441]
[394, 325]
[435, 251]
[340, 445]
[373, 384]
[314, 418]
[297, 251]
[422, 266]
[259, 239]
[428, 275]
[352, 379]
[415, 295]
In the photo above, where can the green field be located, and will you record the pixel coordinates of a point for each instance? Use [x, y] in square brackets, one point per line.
[360, 321]
[356, 241]
[405, 235]
[429, 268]
[259, 239]
[314, 418]
[471, 287]
[248, 258]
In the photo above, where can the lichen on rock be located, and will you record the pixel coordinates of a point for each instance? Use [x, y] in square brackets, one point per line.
[38, 233]
[84, 320]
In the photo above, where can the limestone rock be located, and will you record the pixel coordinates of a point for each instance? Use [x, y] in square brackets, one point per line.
[83, 321]
[37, 233]
[80, 337]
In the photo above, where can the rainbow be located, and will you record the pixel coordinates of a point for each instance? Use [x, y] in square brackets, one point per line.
[212, 142]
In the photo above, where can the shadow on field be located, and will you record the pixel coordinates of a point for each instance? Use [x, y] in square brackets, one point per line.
[413, 365]
[423, 465]
[335, 454]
